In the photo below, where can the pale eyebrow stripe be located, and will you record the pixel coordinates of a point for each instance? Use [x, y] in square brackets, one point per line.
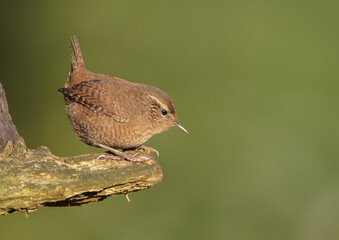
[160, 103]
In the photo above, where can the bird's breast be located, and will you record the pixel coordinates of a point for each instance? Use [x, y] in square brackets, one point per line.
[93, 128]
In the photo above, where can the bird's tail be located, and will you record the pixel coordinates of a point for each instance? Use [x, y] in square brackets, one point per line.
[77, 60]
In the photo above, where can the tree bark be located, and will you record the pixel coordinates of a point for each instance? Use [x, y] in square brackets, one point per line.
[31, 178]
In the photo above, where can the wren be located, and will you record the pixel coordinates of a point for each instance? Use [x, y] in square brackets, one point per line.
[112, 113]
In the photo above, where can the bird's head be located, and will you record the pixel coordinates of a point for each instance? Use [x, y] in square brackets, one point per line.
[161, 110]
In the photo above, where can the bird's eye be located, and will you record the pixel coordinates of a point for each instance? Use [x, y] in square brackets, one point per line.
[163, 112]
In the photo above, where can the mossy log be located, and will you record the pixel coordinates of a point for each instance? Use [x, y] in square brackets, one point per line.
[31, 178]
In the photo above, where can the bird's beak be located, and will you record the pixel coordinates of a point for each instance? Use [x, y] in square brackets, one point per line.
[181, 127]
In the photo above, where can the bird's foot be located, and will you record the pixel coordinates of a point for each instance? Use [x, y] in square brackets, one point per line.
[121, 155]
[148, 149]
[125, 157]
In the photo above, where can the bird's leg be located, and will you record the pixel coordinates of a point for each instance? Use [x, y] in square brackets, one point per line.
[121, 155]
[148, 149]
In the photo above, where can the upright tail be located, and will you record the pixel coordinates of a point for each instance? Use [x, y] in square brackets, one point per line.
[77, 60]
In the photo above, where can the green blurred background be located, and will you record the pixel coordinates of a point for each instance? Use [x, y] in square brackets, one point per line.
[255, 83]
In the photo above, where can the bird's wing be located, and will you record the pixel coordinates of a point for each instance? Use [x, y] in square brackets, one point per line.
[97, 96]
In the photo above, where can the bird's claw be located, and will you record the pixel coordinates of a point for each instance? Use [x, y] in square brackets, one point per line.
[148, 149]
[108, 156]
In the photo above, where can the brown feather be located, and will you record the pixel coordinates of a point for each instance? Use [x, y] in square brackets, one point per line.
[95, 95]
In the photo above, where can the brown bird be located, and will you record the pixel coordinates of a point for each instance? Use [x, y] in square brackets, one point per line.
[112, 113]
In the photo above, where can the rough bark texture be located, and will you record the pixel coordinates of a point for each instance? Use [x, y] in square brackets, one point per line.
[7, 129]
[31, 178]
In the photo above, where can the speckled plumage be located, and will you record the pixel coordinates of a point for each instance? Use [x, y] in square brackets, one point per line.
[110, 112]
